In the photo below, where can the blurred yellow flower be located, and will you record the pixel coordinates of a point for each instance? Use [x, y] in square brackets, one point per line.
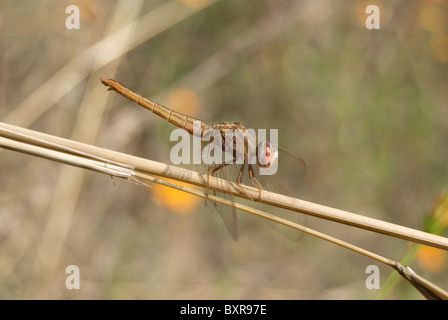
[185, 101]
[431, 259]
[432, 17]
[177, 201]
[439, 47]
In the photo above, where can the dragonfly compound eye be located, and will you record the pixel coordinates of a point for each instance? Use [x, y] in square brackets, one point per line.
[267, 154]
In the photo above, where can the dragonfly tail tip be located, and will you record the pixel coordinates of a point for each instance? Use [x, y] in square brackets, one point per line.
[105, 81]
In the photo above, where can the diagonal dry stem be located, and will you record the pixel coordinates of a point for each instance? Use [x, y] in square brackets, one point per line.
[192, 177]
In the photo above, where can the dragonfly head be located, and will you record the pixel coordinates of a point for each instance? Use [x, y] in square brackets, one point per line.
[267, 154]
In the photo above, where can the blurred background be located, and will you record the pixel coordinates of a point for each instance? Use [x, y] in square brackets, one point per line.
[366, 109]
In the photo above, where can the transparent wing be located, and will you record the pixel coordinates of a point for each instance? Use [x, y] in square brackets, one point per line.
[270, 183]
[273, 183]
[227, 213]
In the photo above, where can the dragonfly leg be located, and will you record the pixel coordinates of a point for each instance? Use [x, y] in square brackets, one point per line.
[254, 180]
[240, 183]
[240, 175]
[211, 171]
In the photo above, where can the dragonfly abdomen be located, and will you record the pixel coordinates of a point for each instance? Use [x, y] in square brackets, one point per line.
[178, 119]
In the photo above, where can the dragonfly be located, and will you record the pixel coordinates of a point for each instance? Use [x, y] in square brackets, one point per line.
[266, 155]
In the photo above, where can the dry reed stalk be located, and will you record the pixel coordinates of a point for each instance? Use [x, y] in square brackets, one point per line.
[176, 173]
